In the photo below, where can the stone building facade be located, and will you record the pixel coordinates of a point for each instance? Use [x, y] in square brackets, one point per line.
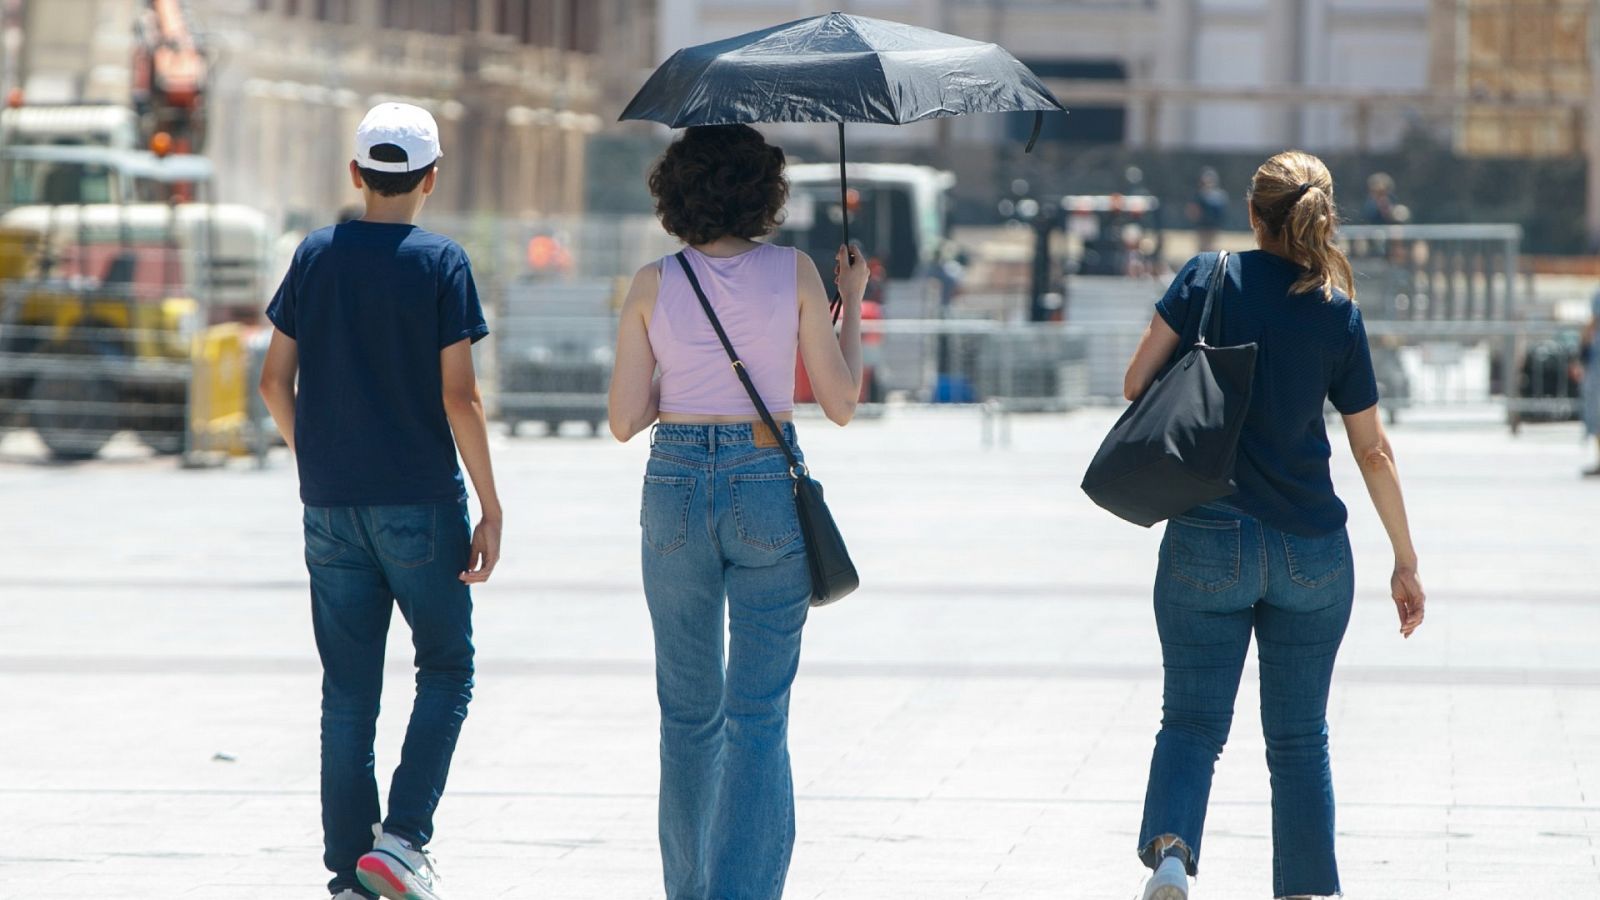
[1179, 74]
[518, 87]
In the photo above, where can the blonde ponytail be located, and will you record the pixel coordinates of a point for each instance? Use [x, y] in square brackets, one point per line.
[1292, 197]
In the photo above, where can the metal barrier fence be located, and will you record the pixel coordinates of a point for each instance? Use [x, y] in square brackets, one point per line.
[83, 359]
[82, 362]
[556, 249]
[192, 393]
[1435, 369]
[1451, 273]
[552, 352]
[119, 318]
[1432, 366]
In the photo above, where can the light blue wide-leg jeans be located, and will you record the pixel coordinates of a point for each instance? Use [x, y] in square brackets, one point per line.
[720, 533]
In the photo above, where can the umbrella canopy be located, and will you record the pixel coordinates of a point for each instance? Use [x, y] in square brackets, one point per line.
[837, 68]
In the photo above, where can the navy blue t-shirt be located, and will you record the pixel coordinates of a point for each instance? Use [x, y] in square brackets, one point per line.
[1311, 350]
[370, 305]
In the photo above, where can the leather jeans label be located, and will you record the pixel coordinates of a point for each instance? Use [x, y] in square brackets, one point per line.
[762, 436]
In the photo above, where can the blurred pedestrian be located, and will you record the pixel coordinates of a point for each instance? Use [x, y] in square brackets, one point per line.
[1380, 208]
[1589, 373]
[377, 317]
[1273, 559]
[1207, 209]
[1133, 182]
[719, 524]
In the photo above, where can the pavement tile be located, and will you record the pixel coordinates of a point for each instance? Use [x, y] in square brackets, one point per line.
[976, 722]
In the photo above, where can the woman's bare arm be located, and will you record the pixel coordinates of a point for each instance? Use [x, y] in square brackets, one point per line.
[1375, 455]
[832, 363]
[1155, 348]
[635, 398]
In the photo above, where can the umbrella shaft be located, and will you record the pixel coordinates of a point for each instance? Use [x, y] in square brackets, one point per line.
[836, 303]
[844, 190]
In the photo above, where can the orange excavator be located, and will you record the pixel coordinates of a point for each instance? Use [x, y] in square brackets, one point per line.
[169, 78]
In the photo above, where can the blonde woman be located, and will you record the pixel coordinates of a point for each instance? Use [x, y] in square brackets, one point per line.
[1273, 559]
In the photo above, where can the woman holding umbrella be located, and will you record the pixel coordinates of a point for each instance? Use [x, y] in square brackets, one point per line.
[719, 510]
[718, 514]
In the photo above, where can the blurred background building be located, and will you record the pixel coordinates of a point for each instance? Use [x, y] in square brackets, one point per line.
[1437, 92]
[1211, 48]
[518, 87]
[1472, 123]
[1173, 86]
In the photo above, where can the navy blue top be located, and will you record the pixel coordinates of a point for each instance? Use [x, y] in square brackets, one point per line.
[370, 305]
[1311, 351]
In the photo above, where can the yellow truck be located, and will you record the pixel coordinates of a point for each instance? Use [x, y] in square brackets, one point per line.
[118, 296]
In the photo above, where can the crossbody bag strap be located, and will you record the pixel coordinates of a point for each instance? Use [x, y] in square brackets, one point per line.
[1214, 288]
[796, 468]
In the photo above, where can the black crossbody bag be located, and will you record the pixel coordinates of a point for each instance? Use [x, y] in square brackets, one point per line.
[833, 575]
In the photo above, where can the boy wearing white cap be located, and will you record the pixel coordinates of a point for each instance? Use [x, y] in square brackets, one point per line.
[377, 317]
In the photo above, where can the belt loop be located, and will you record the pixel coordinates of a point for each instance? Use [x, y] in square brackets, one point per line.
[711, 438]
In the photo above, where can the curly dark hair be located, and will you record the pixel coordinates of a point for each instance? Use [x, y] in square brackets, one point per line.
[717, 181]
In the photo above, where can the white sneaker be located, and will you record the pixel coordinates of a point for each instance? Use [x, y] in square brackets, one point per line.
[1170, 881]
[397, 871]
[348, 895]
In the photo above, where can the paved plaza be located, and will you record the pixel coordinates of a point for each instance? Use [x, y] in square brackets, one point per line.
[975, 722]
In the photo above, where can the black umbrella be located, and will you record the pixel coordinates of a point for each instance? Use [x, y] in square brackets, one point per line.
[839, 68]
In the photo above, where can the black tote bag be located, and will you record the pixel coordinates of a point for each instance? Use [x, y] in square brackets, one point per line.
[833, 575]
[1175, 447]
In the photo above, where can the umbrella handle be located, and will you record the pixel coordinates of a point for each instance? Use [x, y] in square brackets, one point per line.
[1038, 125]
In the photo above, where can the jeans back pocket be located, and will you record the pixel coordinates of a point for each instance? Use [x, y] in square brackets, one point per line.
[664, 511]
[322, 546]
[1202, 553]
[404, 535]
[1315, 562]
[763, 509]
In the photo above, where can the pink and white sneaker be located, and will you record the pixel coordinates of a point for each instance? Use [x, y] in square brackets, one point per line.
[397, 871]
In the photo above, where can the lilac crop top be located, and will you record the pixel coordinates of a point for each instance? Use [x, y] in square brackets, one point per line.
[754, 295]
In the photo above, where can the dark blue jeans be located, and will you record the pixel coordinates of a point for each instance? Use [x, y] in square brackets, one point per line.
[1224, 575]
[364, 561]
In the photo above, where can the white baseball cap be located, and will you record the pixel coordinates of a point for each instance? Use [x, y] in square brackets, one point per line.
[411, 128]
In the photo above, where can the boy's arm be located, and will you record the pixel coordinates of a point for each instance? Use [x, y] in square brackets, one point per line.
[464, 408]
[277, 383]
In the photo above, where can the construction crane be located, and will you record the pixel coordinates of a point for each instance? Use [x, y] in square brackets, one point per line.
[169, 78]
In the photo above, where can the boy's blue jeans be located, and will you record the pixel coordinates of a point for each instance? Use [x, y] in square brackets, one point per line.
[1224, 574]
[364, 561]
[720, 529]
